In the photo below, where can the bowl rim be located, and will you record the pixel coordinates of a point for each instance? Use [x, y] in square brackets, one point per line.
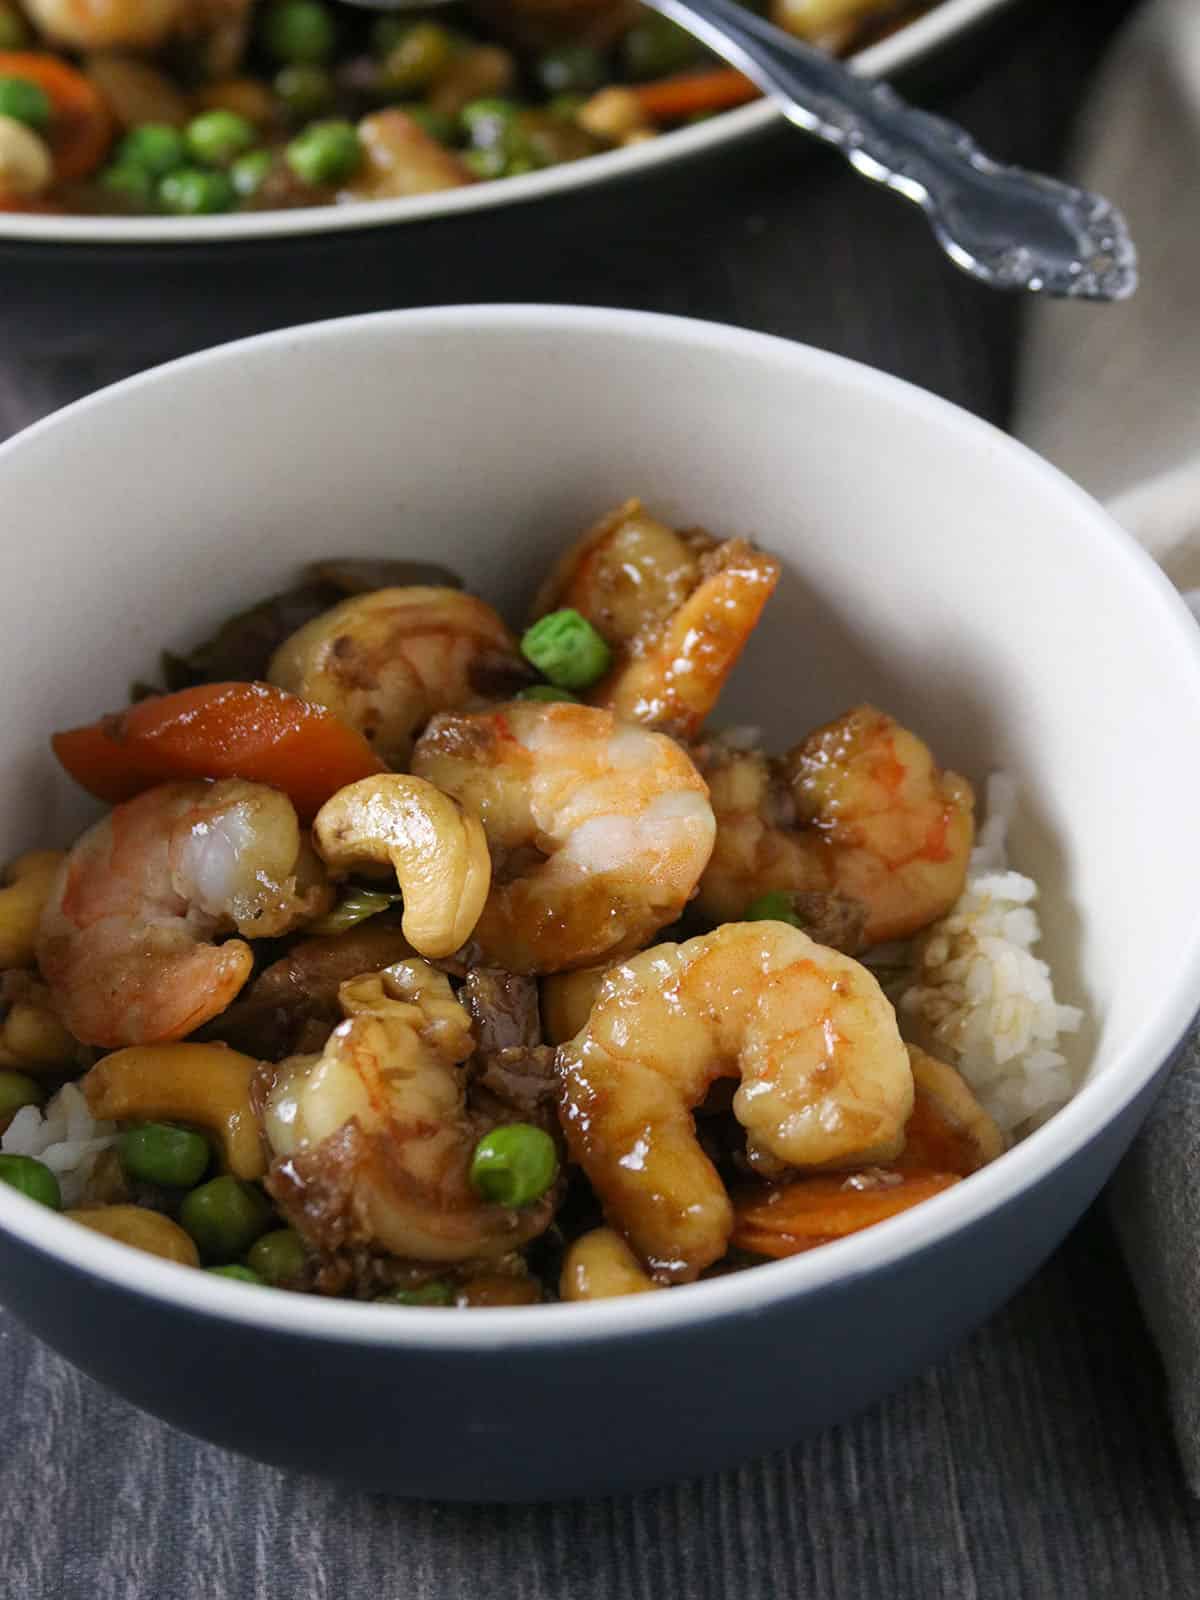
[919, 38]
[1094, 1107]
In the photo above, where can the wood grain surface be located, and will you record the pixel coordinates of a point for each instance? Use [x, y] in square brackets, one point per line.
[1034, 1464]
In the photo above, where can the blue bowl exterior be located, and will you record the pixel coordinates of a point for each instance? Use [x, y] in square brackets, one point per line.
[558, 1420]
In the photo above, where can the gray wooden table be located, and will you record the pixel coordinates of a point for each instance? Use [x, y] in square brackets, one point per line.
[1034, 1464]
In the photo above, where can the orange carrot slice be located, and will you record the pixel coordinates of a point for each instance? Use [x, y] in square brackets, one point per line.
[672, 99]
[219, 730]
[793, 1217]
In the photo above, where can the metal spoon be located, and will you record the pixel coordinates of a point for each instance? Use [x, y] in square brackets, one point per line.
[1008, 228]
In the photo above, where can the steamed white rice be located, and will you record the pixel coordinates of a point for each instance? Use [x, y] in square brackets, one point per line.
[64, 1136]
[980, 999]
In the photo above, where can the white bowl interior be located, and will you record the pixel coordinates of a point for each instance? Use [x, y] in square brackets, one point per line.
[932, 566]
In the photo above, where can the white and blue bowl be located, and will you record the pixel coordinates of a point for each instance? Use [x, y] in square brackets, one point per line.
[932, 566]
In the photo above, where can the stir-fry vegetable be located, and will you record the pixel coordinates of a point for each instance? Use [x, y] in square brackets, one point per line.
[220, 730]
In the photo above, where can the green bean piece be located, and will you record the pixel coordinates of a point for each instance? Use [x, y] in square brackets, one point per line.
[352, 909]
[325, 153]
[31, 1178]
[514, 1165]
[224, 1217]
[435, 1293]
[217, 138]
[420, 54]
[571, 69]
[159, 1152]
[136, 186]
[774, 906]
[25, 102]
[249, 172]
[240, 1273]
[299, 31]
[304, 89]
[279, 1256]
[654, 47]
[14, 32]
[152, 147]
[193, 192]
[17, 1090]
[565, 648]
[548, 692]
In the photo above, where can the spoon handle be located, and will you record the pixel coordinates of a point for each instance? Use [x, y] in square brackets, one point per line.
[1009, 228]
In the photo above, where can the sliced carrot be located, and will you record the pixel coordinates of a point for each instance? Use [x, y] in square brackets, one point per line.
[793, 1217]
[219, 730]
[81, 127]
[672, 99]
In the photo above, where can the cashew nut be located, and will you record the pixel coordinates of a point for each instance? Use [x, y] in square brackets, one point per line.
[599, 1266]
[26, 166]
[949, 1131]
[437, 850]
[144, 1230]
[208, 1084]
[567, 1000]
[32, 877]
[33, 1039]
[106, 24]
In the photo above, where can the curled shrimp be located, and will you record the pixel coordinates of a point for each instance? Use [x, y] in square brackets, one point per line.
[125, 942]
[373, 1137]
[859, 809]
[676, 608]
[387, 660]
[825, 1079]
[598, 830]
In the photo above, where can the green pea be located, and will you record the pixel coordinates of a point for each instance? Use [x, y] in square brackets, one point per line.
[486, 163]
[158, 1152]
[571, 69]
[236, 1270]
[565, 648]
[131, 184]
[299, 30]
[489, 123]
[17, 1090]
[153, 147]
[547, 691]
[249, 172]
[420, 54]
[32, 1178]
[224, 1217]
[774, 906]
[24, 102]
[305, 90]
[219, 137]
[438, 125]
[326, 152]
[514, 1165]
[436, 1293]
[14, 34]
[279, 1256]
[566, 106]
[192, 192]
[654, 47]
[352, 909]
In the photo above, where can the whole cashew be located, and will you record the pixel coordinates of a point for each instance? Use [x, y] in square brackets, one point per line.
[208, 1084]
[600, 1265]
[31, 879]
[144, 1230]
[437, 850]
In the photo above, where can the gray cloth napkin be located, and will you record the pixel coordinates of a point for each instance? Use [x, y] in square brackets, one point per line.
[1112, 395]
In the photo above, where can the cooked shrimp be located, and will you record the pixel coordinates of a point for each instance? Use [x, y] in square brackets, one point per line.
[825, 1079]
[598, 831]
[386, 661]
[373, 1138]
[125, 938]
[676, 608]
[858, 809]
[93, 25]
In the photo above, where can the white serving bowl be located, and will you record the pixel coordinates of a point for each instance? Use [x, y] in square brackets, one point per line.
[932, 565]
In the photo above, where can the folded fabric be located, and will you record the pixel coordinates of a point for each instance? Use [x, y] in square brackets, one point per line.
[1112, 395]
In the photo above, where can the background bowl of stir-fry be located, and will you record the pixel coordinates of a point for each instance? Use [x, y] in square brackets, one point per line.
[143, 141]
[926, 564]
